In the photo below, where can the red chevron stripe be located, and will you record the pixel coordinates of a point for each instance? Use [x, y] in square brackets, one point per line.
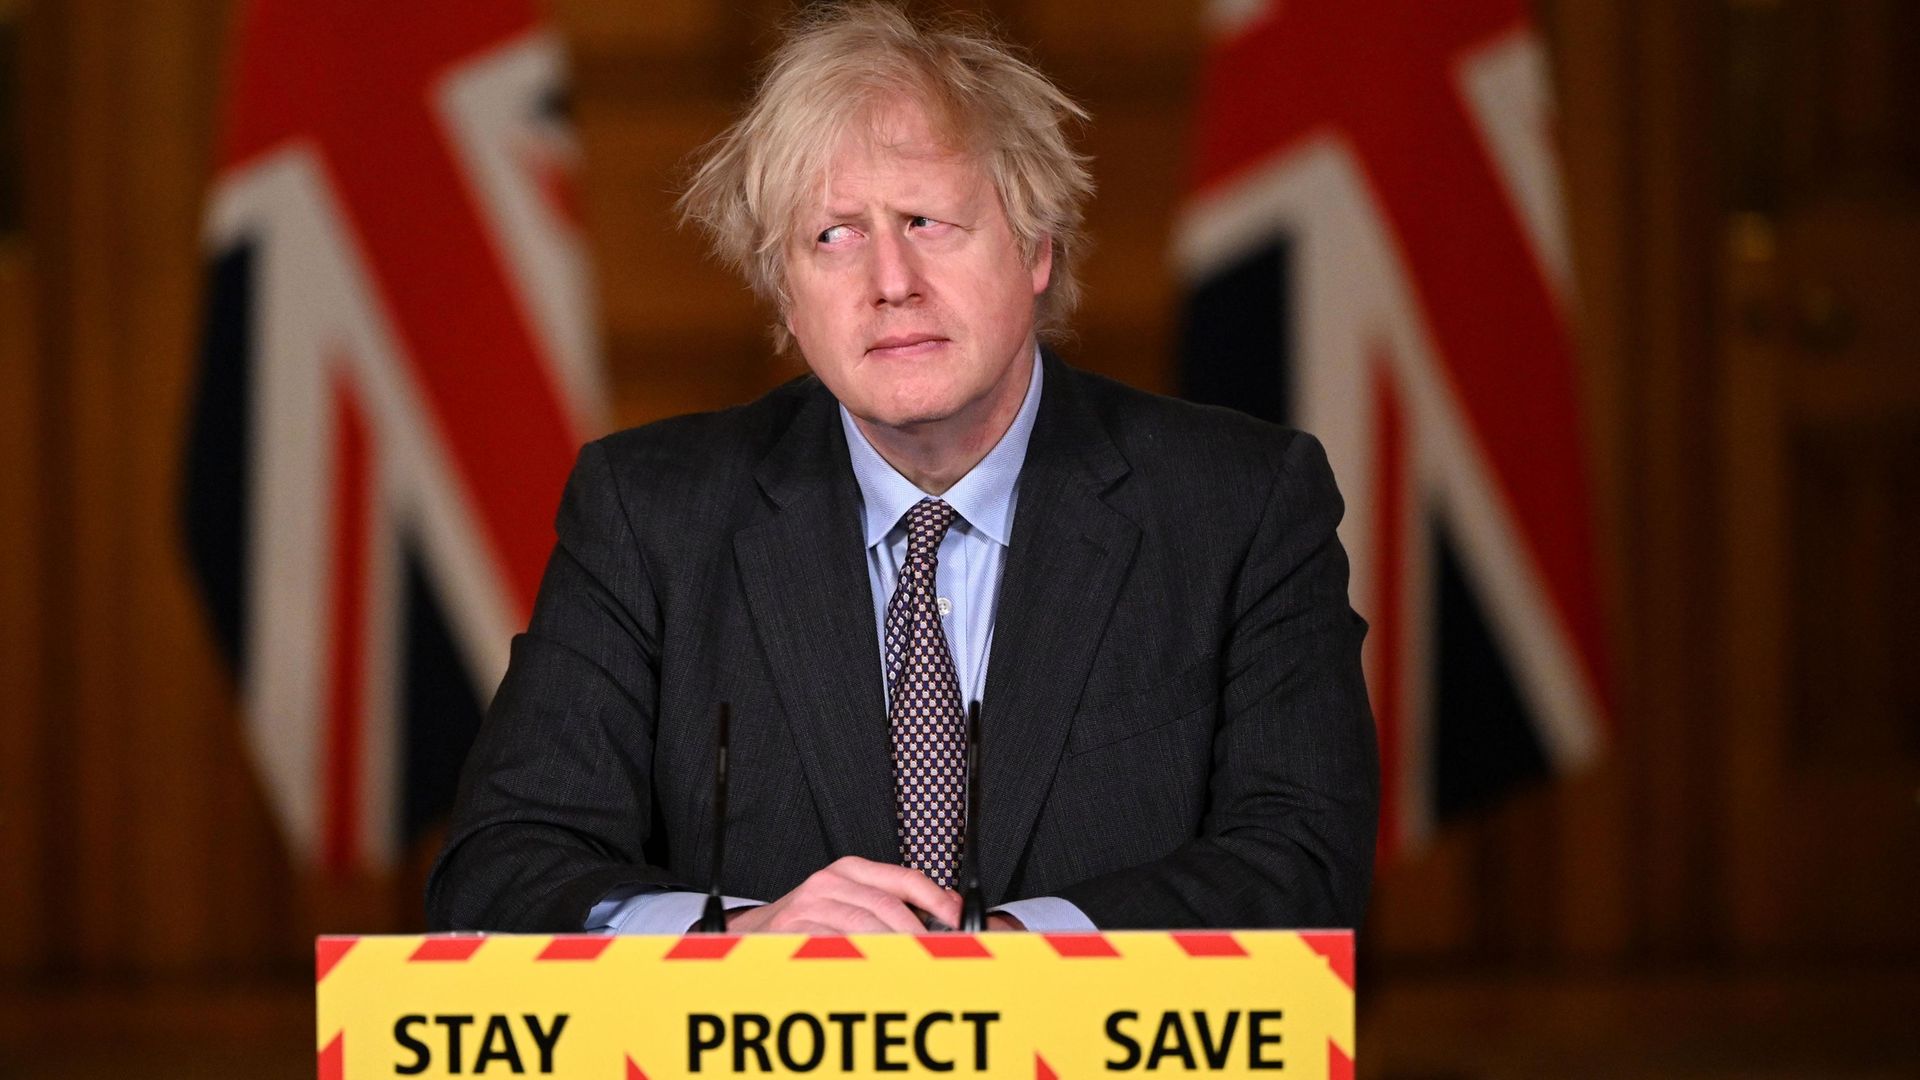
[447, 949]
[828, 947]
[702, 947]
[1337, 947]
[1209, 944]
[1081, 946]
[328, 951]
[954, 946]
[333, 1059]
[1339, 1065]
[633, 1071]
[575, 947]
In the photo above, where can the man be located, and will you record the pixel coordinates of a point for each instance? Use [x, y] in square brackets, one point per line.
[1147, 597]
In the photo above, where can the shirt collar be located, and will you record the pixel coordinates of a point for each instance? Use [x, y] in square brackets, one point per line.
[983, 498]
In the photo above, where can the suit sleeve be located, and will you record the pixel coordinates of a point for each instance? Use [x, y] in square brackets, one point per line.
[1287, 839]
[554, 803]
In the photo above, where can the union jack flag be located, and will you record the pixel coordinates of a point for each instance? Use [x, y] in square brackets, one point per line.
[1375, 251]
[398, 366]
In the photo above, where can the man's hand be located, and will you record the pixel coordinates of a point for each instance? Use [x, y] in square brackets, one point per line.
[853, 896]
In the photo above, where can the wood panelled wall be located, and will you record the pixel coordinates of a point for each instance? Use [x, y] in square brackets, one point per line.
[134, 840]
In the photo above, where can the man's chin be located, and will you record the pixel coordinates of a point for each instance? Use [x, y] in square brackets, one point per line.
[907, 421]
[909, 412]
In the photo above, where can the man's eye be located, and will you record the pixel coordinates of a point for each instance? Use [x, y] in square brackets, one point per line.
[923, 222]
[832, 234]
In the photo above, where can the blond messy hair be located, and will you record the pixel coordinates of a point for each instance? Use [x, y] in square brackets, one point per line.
[839, 66]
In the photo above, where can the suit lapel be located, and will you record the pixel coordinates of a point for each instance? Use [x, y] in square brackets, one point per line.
[1069, 555]
[805, 576]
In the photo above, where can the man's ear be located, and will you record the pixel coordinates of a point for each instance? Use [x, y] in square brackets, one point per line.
[1042, 264]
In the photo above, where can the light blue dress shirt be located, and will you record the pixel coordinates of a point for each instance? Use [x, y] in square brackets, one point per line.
[967, 582]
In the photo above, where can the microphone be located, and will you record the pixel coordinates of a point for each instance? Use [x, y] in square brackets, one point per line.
[714, 919]
[973, 903]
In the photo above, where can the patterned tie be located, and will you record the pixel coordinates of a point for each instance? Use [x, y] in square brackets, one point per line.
[929, 736]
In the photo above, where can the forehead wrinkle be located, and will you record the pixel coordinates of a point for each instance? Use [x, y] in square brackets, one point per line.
[859, 165]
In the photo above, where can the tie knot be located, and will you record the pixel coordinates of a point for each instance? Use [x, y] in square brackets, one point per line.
[927, 525]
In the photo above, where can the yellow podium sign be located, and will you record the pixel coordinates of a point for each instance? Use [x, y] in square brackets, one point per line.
[1033, 1006]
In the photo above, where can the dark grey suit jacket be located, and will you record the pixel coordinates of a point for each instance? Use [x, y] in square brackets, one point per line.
[1175, 730]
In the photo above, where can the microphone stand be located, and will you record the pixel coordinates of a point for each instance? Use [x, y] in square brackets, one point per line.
[973, 903]
[714, 919]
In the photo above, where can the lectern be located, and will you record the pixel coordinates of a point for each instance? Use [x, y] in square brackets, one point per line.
[1032, 1006]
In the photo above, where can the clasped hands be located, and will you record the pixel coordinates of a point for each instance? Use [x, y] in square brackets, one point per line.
[859, 896]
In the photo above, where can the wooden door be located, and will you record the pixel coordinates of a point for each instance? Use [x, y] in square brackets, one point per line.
[1820, 468]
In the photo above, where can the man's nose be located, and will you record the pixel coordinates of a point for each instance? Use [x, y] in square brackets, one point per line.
[896, 269]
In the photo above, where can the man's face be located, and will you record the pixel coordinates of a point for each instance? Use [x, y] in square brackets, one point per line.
[906, 289]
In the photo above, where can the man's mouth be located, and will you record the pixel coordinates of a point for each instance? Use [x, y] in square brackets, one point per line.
[905, 345]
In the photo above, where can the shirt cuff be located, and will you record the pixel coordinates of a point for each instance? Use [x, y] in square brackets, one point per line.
[655, 912]
[1048, 914]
